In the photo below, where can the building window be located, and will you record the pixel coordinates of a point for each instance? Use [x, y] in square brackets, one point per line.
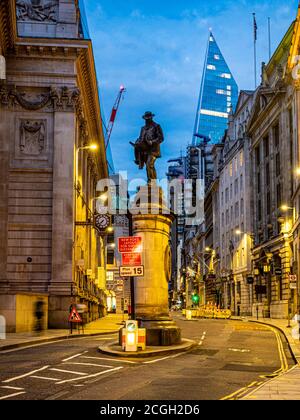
[230, 169]
[278, 195]
[259, 212]
[226, 76]
[241, 183]
[268, 203]
[231, 191]
[236, 210]
[236, 186]
[110, 257]
[278, 169]
[258, 183]
[257, 156]
[267, 174]
[241, 158]
[276, 134]
[227, 195]
[242, 207]
[266, 147]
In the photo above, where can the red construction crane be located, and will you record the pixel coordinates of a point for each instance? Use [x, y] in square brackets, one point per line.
[114, 114]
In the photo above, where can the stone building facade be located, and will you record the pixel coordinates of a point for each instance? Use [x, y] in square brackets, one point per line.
[274, 131]
[49, 110]
[233, 216]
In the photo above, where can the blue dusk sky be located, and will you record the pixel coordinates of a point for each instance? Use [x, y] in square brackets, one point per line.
[156, 49]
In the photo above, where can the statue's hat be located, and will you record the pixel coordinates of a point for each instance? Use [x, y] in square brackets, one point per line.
[148, 115]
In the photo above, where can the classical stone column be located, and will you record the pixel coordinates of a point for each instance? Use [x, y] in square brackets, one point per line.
[63, 223]
[151, 291]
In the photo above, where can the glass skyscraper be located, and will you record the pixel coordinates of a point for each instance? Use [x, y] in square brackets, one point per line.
[218, 96]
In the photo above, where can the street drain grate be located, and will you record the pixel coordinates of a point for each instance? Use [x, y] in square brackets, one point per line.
[245, 368]
[204, 352]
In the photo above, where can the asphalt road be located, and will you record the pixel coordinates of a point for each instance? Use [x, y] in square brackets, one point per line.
[231, 358]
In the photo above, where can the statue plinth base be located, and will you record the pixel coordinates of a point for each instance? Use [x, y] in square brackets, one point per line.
[161, 332]
[152, 291]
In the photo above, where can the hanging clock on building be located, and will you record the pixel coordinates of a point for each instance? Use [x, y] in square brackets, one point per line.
[102, 222]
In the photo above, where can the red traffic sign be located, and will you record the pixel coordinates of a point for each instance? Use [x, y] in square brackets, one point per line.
[131, 259]
[130, 244]
[74, 316]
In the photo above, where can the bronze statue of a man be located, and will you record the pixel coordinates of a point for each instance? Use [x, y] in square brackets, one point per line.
[147, 146]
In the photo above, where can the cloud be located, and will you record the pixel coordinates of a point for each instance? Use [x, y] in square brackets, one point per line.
[158, 54]
[137, 14]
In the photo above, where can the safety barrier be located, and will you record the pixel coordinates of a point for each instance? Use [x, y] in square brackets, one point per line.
[211, 312]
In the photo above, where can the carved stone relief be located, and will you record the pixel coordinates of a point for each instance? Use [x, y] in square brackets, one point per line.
[37, 10]
[59, 99]
[32, 137]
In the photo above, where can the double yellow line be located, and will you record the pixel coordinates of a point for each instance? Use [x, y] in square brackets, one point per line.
[284, 368]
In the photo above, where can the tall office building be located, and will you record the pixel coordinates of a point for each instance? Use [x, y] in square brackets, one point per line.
[218, 96]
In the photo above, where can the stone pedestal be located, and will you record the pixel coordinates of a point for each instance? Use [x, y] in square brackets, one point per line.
[151, 291]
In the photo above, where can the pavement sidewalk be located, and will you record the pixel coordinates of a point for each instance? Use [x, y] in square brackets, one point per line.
[107, 325]
[287, 385]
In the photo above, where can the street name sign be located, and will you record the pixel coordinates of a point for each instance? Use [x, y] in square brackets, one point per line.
[132, 271]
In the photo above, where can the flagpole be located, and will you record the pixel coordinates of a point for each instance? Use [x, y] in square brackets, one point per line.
[269, 29]
[255, 53]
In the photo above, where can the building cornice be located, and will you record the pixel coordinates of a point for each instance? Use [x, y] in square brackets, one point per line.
[78, 49]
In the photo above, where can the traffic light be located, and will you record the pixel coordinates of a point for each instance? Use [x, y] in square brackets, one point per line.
[195, 299]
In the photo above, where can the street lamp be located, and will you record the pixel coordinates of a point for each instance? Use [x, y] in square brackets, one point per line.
[286, 208]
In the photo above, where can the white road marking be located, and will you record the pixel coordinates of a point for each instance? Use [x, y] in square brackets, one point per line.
[25, 375]
[110, 360]
[13, 388]
[12, 395]
[106, 338]
[239, 350]
[73, 357]
[45, 378]
[202, 338]
[163, 358]
[68, 371]
[87, 364]
[89, 376]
